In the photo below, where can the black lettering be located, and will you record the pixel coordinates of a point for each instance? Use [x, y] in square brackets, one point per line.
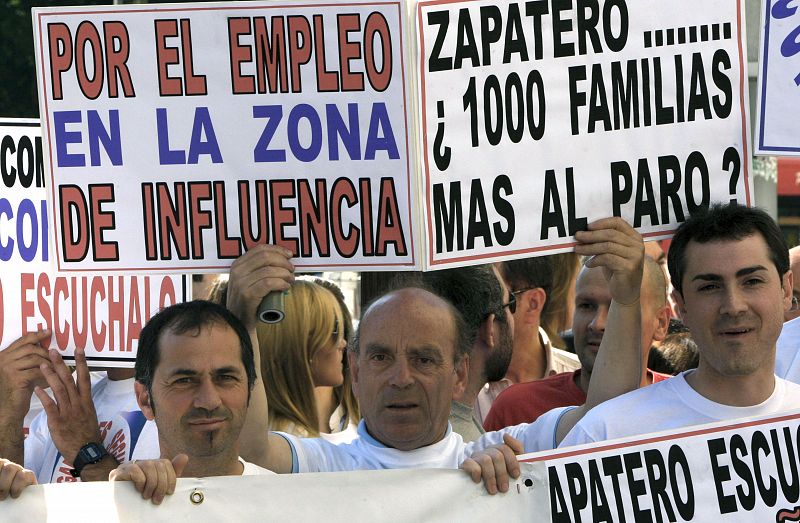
[436, 62]
[727, 503]
[449, 225]
[504, 209]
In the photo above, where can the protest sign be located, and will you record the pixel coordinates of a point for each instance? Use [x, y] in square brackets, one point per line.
[177, 137]
[102, 314]
[541, 116]
[777, 126]
[742, 471]
[335, 497]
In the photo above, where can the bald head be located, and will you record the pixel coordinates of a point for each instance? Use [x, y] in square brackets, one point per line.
[407, 368]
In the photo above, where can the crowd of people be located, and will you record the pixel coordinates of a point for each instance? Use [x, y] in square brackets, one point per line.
[460, 368]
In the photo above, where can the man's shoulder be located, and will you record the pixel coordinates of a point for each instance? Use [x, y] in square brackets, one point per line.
[644, 397]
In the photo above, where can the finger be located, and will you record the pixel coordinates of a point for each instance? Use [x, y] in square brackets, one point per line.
[471, 467]
[171, 478]
[500, 470]
[487, 472]
[510, 458]
[150, 470]
[31, 338]
[612, 222]
[179, 463]
[162, 486]
[22, 479]
[83, 376]
[56, 387]
[64, 375]
[516, 446]
[49, 405]
[29, 360]
[6, 478]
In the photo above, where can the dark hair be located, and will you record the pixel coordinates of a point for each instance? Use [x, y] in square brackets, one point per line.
[413, 280]
[183, 318]
[475, 291]
[528, 273]
[725, 222]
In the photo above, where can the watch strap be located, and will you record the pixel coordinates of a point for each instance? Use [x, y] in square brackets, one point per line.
[89, 454]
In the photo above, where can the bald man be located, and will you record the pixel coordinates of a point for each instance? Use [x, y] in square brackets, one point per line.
[525, 402]
[794, 262]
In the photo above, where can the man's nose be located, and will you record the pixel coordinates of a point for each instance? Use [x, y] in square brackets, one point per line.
[598, 323]
[733, 302]
[206, 395]
[401, 373]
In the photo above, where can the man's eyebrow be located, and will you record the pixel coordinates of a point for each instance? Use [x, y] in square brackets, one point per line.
[228, 370]
[427, 351]
[377, 347]
[739, 273]
[183, 372]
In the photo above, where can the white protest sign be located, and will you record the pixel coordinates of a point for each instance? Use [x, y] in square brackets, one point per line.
[102, 314]
[742, 471]
[334, 497]
[179, 136]
[778, 128]
[541, 116]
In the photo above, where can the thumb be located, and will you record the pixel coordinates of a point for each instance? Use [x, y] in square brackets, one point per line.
[514, 444]
[179, 463]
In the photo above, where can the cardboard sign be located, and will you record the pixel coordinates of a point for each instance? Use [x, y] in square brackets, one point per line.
[101, 313]
[177, 137]
[777, 126]
[743, 471]
[539, 117]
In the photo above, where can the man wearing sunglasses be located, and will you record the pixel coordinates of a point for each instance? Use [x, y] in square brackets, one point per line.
[479, 294]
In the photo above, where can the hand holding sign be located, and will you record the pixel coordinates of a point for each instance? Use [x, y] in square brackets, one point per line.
[71, 417]
[619, 250]
[153, 478]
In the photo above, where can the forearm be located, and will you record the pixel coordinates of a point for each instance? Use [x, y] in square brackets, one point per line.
[99, 471]
[618, 367]
[12, 435]
[253, 444]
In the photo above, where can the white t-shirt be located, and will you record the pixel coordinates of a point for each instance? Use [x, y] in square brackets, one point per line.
[126, 434]
[367, 453]
[670, 404]
[251, 469]
[787, 357]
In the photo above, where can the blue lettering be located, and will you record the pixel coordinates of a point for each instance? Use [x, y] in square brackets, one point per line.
[781, 9]
[166, 156]
[45, 231]
[349, 135]
[312, 152]
[26, 208]
[262, 153]
[64, 138]
[112, 142]
[380, 120]
[202, 125]
[6, 249]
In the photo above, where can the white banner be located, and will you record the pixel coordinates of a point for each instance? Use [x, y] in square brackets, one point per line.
[180, 136]
[778, 128]
[336, 497]
[102, 314]
[744, 471]
[538, 117]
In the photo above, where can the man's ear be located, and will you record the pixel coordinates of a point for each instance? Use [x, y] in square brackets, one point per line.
[680, 307]
[531, 302]
[788, 285]
[144, 400]
[486, 331]
[662, 326]
[462, 372]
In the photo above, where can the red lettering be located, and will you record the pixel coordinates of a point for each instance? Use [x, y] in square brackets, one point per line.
[172, 221]
[241, 83]
[272, 54]
[390, 229]
[75, 233]
[377, 25]
[166, 56]
[116, 312]
[249, 238]
[166, 294]
[87, 34]
[98, 335]
[313, 218]
[26, 284]
[149, 221]
[117, 52]
[366, 215]
[43, 295]
[282, 216]
[343, 190]
[60, 292]
[351, 81]
[200, 219]
[327, 81]
[102, 221]
[80, 334]
[60, 40]
[195, 83]
[299, 47]
[227, 247]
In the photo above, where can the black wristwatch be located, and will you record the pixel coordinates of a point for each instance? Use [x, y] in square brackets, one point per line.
[89, 454]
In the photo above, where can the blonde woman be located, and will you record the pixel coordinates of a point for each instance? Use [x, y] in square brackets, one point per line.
[302, 360]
